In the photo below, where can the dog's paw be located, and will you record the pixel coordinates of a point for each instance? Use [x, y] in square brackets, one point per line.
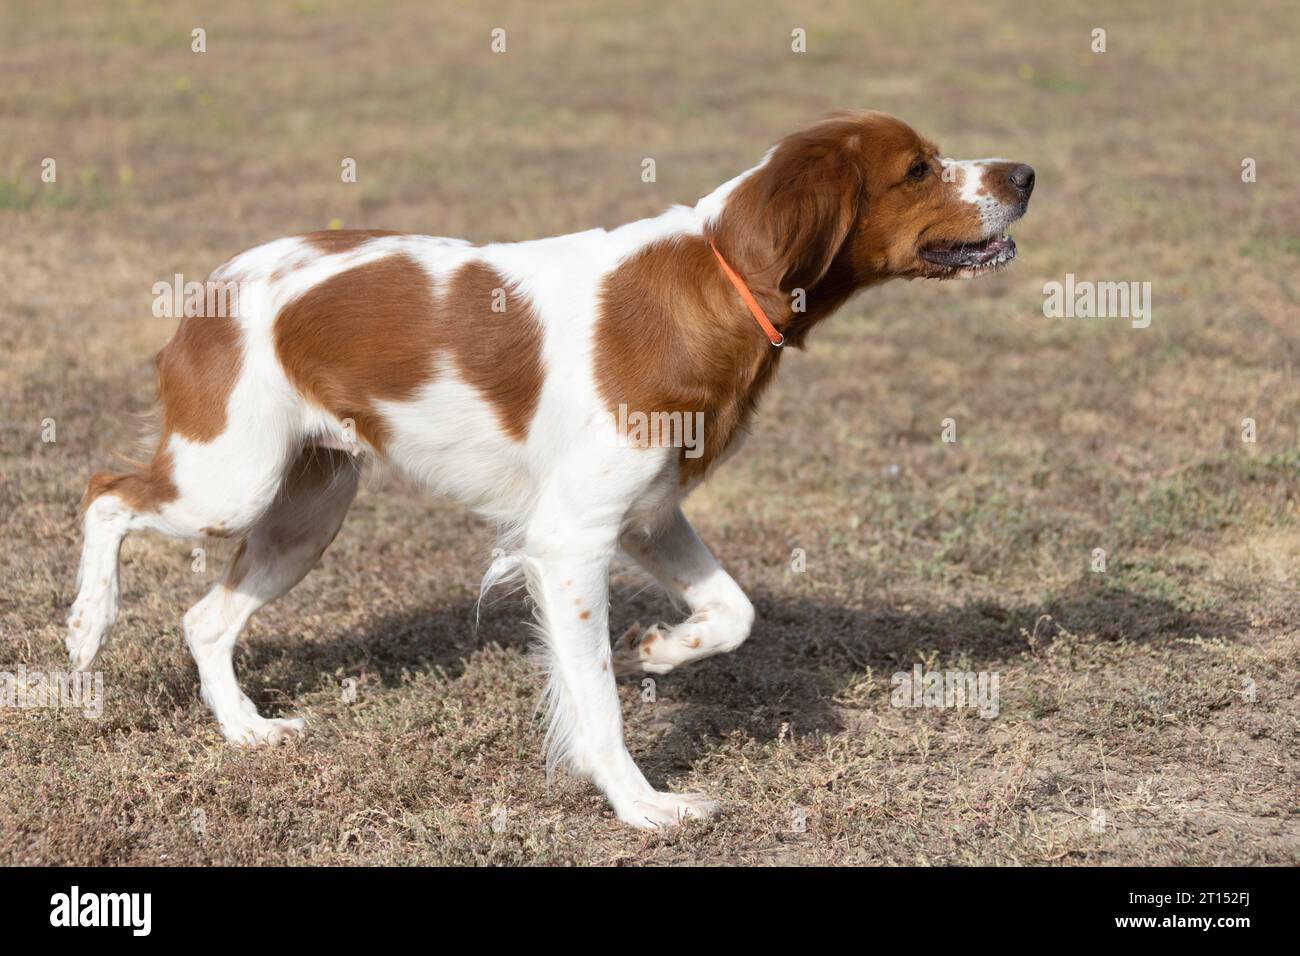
[663, 811]
[632, 650]
[86, 628]
[263, 731]
[659, 648]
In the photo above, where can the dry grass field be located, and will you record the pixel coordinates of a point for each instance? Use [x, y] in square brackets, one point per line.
[1148, 712]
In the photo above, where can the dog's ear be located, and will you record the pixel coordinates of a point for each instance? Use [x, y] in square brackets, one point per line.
[789, 220]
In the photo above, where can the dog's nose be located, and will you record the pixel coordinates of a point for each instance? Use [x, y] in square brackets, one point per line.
[1022, 177]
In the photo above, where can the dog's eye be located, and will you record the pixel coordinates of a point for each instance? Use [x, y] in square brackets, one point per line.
[918, 170]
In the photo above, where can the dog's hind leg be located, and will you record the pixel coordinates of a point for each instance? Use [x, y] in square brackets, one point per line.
[230, 429]
[282, 547]
[189, 489]
[107, 520]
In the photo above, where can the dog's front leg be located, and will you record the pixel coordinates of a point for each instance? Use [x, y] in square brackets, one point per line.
[721, 614]
[568, 579]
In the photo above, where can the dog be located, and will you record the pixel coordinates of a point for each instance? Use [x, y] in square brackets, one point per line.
[508, 376]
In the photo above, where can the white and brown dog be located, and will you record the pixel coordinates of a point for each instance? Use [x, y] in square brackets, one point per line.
[501, 374]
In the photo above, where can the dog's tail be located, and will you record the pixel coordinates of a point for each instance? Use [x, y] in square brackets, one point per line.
[507, 567]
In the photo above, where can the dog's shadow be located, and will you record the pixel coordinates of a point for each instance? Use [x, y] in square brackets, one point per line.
[803, 653]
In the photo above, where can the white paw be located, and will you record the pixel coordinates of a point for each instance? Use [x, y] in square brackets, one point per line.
[628, 654]
[663, 811]
[263, 731]
[85, 635]
[660, 648]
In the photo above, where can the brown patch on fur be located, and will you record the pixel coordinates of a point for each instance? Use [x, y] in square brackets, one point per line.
[670, 339]
[325, 242]
[584, 615]
[333, 241]
[197, 371]
[376, 333]
[498, 353]
[359, 337]
[142, 491]
[997, 180]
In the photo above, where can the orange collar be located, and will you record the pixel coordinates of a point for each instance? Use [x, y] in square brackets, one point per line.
[756, 310]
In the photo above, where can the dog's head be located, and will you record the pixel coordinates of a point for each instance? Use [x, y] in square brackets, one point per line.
[862, 197]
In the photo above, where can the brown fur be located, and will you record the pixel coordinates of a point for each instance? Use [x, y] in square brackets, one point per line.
[332, 241]
[671, 339]
[498, 353]
[998, 179]
[326, 242]
[143, 490]
[197, 371]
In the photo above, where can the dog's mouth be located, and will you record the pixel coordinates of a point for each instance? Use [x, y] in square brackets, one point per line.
[971, 257]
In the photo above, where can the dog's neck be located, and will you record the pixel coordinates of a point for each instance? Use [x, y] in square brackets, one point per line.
[793, 310]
